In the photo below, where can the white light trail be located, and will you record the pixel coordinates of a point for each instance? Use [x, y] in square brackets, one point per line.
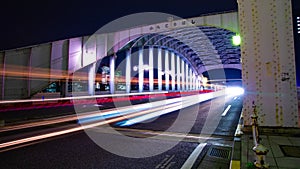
[186, 102]
[158, 106]
[81, 97]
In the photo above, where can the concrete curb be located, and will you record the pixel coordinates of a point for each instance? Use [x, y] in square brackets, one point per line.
[235, 162]
[282, 131]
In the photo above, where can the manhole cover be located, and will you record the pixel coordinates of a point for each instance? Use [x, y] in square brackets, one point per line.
[290, 151]
[220, 153]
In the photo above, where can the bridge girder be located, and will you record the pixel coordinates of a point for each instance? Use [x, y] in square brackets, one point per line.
[186, 43]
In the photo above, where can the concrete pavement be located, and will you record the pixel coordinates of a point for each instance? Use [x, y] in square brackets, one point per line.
[283, 148]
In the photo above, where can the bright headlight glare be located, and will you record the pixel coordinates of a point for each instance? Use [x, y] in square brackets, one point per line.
[235, 91]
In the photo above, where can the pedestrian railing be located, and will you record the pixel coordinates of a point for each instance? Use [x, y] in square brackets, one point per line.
[260, 150]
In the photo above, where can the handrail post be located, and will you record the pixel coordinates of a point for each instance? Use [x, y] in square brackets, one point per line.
[255, 125]
[260, 150]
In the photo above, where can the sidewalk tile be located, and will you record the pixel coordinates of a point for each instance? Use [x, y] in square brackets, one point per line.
[271, 161]
[280, 140]
[274, 167]
[276, 151]
[288, 162]
[295, 141]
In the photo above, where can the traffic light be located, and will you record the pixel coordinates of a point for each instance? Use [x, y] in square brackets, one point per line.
[236, 40]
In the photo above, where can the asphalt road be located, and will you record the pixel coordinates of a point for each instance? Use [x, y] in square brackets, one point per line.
[14, 113]
[156, 143]
[205, 118]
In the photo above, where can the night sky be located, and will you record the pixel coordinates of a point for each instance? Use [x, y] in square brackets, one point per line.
[29, 22]
[26, 23]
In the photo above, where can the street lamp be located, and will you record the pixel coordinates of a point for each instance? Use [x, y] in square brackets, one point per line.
[144, 67]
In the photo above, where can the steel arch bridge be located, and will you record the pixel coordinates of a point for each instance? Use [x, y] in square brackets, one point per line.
[202, 43]
[268, 60]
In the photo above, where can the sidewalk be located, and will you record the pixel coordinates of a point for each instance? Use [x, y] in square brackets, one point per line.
[284, 149]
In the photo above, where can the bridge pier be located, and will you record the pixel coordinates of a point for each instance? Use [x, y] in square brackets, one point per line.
[128, 71]
[183, 82]
[159, 68]
[178, 72]
[186, 77]
[268, 66]
[151, 71]
[191, 79]
[91, 79]
[141, 70]
[173, 70]
[112, 61]
[167, 70]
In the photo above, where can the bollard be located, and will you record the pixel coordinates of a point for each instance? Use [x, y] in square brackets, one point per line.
[261, 152]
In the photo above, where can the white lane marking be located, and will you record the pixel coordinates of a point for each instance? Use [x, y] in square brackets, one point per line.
[226, 110]
[192, 158]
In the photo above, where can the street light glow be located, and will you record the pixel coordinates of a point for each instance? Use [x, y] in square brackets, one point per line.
[234, 91]
[236, 40]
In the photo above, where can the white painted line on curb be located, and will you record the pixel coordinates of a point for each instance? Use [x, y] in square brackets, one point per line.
[226, 110]
[192, 158]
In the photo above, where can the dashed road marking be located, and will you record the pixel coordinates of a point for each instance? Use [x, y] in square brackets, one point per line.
[192, 158]
[226, 110]
[166, 162]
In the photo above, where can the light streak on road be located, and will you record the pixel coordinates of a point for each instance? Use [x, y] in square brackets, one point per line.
[17, 105]
[75, 129]
[196, 137]
[92, 116]
[82, 118]
[82, 97]
[156, 107]
[186, 102]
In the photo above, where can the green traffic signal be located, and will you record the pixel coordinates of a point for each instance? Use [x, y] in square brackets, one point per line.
[236, 40]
